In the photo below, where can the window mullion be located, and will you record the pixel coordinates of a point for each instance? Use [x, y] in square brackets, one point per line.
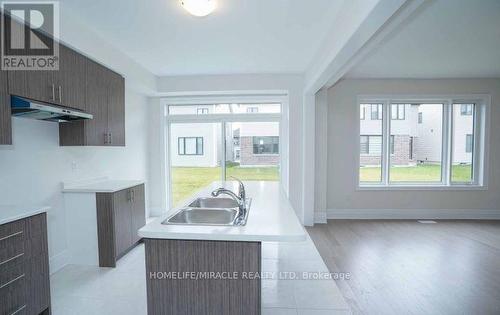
[385, 142]
[223, 150]
[447, 143]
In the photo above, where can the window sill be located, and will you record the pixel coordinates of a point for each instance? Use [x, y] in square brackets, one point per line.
[419, 187]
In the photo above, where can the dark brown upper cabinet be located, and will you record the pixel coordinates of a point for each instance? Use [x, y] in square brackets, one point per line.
[80, 83]
[105, 100]
[71, 78]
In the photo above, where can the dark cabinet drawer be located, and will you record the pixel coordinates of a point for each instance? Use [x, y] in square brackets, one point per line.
[13, 292]
[24, 266]
[12, 236]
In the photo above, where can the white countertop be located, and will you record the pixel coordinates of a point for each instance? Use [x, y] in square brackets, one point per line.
[9, 213]
[270, 218]
[107, 186]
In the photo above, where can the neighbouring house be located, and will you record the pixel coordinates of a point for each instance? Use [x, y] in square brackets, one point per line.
[248, 144]
[416, 134]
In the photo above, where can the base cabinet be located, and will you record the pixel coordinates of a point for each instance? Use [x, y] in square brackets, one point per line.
[24, 272]
[119, 216]
[173, 288]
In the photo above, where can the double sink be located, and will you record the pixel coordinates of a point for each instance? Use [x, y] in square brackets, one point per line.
[211, 211]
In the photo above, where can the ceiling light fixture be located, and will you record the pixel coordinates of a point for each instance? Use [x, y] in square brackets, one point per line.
[199, 7]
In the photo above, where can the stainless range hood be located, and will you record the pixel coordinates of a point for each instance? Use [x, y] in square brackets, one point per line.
[26, 108]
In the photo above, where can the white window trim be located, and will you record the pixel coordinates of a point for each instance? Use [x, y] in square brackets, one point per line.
[481, 141]
[225, 97]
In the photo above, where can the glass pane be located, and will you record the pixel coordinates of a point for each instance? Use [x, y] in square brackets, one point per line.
[416, 143]
[252, 150]
[200, 165]
[224, 109]
[370, 159]
[463, 143]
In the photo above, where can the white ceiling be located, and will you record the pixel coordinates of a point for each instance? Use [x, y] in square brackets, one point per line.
[445, 39]
[241, 36]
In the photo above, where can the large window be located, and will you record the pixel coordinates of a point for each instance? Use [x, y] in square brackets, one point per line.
[205, 148]
[422, 143]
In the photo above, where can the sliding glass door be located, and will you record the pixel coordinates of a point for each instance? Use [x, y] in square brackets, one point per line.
[243, 141]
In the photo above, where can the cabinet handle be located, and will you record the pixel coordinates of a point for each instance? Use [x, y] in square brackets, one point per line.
[110, 138]
[11, 235]
[11, 259]
[53, 92]
[11, 281]
[133, 195]
[19, 309]
[60, 94]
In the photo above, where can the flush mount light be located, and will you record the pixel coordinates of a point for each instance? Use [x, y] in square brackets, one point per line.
[199, 7]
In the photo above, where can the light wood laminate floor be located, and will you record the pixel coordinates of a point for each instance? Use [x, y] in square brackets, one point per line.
[406, 267]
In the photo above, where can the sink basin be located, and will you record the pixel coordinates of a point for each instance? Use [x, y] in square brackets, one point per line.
[203, 216]
[213, 203]
[210, 211]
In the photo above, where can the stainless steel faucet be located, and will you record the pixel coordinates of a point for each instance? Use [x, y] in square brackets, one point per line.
[240, 198]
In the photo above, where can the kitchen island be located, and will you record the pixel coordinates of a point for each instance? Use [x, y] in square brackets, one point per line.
[214, 269]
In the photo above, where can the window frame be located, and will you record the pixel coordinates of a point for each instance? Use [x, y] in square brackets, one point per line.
[280, 97]
[480, 151]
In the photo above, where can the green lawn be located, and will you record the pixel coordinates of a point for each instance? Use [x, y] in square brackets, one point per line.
[187, 180]
[420, 173]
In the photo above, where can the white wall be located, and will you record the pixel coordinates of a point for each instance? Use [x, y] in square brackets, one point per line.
[291, 82]
[342, 193]
[33, 168]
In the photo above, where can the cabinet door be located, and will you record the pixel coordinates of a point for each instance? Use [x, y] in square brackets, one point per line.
[139, 211]
[122, 220]
[96, 129]
[116, 109]
[70, 90]
[33, 84]
[5, 115]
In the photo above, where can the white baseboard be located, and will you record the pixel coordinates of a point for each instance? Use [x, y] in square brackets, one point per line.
[450, 214]
[57, 262]
[320, 217]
